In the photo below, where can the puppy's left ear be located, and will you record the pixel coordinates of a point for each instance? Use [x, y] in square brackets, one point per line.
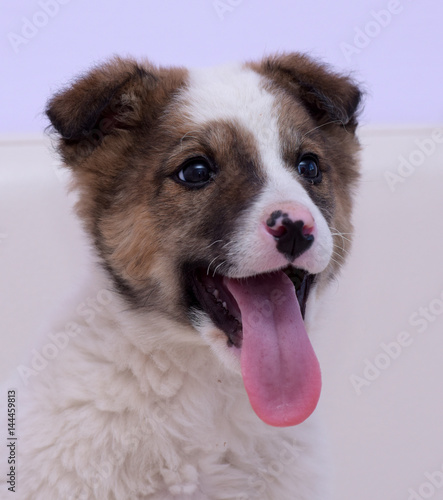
[108, 101]
[327, 96]
[77, 110]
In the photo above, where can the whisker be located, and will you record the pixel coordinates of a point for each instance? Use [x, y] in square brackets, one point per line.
[215, 270]
[334, 252]
[213, 260]
[338, 230]
[336, 261]
[341, 236]
[344, 250]
[214, 242]
[320, 126]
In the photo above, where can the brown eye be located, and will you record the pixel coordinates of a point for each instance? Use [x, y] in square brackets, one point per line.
[309, 169]
[196, 172]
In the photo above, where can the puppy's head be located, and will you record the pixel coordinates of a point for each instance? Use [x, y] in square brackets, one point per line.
[220, 198]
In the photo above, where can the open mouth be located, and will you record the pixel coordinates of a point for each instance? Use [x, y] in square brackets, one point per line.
[218, 302]
[263, 319]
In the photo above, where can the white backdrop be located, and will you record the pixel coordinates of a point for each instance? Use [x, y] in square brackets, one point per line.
[381, 354]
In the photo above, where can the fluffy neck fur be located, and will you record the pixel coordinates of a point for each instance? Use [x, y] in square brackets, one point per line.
[124, 395]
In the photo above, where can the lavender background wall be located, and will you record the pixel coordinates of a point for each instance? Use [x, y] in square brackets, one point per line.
[393, 46]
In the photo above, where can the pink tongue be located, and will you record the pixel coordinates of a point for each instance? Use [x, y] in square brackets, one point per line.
[279, 367]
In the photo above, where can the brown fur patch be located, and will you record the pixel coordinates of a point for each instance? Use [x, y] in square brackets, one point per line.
[317, 114]
[151, 236]
[327, 96]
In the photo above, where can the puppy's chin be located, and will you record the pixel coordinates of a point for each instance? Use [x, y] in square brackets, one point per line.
[228, 355]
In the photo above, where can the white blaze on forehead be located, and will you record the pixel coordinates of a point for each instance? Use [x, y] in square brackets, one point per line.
[232, 92]
[235, 92]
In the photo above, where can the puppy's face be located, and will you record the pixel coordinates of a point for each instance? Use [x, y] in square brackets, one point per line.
[220, 198]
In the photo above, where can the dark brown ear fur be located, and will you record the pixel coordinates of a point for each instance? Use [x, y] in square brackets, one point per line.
[327, 95]
[76, 111]
[116, 96]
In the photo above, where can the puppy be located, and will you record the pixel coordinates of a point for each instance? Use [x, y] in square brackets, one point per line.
[215, 201]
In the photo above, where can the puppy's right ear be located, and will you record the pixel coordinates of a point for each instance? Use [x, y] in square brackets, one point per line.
[328, 96]
[116, 96]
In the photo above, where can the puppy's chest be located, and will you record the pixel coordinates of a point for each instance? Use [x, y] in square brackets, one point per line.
[220, 448]
[207, 411]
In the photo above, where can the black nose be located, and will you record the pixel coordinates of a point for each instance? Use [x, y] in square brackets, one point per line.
[292, 242]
